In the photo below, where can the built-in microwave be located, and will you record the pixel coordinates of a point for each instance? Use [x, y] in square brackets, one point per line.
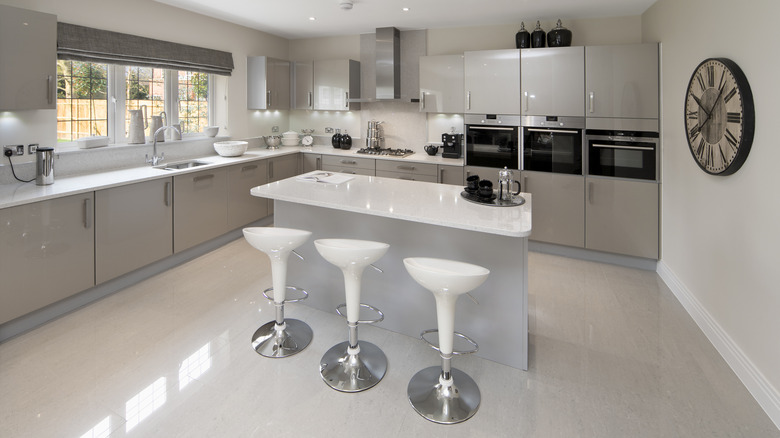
[553, 144]
[623, 154]
[492, 140]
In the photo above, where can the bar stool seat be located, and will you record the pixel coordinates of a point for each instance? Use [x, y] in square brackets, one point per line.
[444, 394]
[352, 366]
[280, 337]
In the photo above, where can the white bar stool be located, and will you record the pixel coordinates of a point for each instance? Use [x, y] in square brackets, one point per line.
[281, 337]
[349, 366]
[433, 392]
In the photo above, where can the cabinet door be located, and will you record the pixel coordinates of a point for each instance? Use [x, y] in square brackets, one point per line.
[622, 217]
[243, 208]
[280, 84]
[406, 175]
[492, 79]
[199, 208]
[553, 79]
[336, 81]
[280, 168]
[133, 227]
[268, 83]
[303, 83]
[622, 81]
[28, 48]
[312, 162]
[451, 175]
[349, 170]
[558, 212]
[441, 84]
[47, 253]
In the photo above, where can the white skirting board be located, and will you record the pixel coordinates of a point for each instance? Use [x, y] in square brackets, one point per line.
[762, 390]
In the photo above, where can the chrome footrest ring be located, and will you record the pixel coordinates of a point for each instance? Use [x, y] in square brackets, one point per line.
[365, 321]
[292, 300]
[460, 335]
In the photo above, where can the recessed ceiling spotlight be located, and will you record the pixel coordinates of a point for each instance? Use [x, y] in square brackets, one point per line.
[345, 4]
[312, 18]
[405, 9]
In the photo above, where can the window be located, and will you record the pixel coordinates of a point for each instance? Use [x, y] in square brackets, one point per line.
[86, 105]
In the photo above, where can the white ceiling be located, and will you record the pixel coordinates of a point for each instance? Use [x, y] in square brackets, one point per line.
[290, 18]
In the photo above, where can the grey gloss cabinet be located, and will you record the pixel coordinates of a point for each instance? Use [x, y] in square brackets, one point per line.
[489, 173]
[355, 166]
[335, 82]
[451, 175]
[28, 48]
[492, 81]
[441, 84]
[553, 81]
[558, 213]
[280, 168]
[200, 207]
[48, 253]
[621, 81]
[133, 227]
[243, 208]
[268, 83]
[621, 216]
[312, 162]
[303, 85]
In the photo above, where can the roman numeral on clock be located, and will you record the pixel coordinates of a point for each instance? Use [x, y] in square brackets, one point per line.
[694, 132]
[711, 75]
[730, 95]
[731, 139]
[734, 117]
[693, 115]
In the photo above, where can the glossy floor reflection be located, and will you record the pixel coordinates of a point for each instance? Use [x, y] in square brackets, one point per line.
[613, 354]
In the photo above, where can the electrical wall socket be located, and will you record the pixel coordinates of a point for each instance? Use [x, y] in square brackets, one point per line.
[15, 149]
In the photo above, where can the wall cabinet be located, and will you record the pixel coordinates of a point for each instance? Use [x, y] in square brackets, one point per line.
[335, 82]
[558, 213]
[268, 83]
[133, 227]
[492, 81]
[200, 207]
[243, 208]
[303, 85]
[622, 81]
[441, 84]
[312, 162]
[621, 216]
[48, 253]
[28, 48]
[451, 175]
[406, 170]
[553, 79]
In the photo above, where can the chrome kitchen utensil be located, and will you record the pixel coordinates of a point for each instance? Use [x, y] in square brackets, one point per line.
[374, 135]
[506, 182]
[272, 141]
[44, 166]
[138, 124]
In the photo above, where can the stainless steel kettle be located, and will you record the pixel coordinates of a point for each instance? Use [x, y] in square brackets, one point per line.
[506, 182]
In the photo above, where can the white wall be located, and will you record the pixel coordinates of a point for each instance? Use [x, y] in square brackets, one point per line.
[720, 235]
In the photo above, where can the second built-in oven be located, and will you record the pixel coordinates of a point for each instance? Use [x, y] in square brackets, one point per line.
[553, 144]
[492, 140]
[623, 154]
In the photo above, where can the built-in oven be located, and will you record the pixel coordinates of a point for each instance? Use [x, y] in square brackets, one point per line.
[492, 140]
[623, 154]
[553, 144]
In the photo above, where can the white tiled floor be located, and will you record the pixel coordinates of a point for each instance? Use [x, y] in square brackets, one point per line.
[613, 354]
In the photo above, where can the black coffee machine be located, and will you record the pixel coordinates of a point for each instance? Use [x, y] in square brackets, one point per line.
[452, 145]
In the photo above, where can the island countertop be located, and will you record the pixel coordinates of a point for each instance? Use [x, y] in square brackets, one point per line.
[430, 203]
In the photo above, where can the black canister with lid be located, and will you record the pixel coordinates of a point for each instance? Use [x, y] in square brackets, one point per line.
[537, 36]
[522, 37]
[346, 141]
[559, 37]
[335, 141]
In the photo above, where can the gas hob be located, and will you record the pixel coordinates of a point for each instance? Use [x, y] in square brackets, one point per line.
[390, 152]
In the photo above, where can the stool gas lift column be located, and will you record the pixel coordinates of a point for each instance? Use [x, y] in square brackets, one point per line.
[351, 366]
[444, 394]
[281, 337]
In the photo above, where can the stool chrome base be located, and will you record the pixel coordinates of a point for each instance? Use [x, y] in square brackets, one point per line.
[353, 373]
[440, 404]
[268, 341]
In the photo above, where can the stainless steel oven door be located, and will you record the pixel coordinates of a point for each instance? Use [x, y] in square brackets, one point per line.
[634, 157]
[552, 150]
[492, 146]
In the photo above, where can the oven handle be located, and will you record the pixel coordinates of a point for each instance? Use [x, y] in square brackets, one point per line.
[557, 131]
[612, 146]
[492, 128]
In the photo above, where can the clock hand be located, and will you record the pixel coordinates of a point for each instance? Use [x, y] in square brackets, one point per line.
[701, 105]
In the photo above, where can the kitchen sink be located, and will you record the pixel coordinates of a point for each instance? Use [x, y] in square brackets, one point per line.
[182, 165]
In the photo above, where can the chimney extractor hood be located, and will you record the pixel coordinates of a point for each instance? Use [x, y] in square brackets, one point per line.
[388, 63]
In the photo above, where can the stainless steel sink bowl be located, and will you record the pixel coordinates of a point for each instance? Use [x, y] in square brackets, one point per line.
[182, 165]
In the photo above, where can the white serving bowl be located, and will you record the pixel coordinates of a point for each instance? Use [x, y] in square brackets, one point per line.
[211, 131]
[290, 134]
[231, 148]
[290, 141]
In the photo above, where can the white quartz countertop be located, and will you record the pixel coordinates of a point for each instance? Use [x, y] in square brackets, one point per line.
[431, 203]
[417, 157]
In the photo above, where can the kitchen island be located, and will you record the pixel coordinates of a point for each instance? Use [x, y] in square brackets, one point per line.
[418, 220]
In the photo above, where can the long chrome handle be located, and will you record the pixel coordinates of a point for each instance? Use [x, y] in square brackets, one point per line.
[348, 162]
[49, 89]
[403, 167]
[88, 213]
[168, 194]
[614, 146]
[591, 106]
[525, 101]
[270, 170]
[590, 193]
[468, 100]
[422, 100]
[346, 99]
[203, 177]
[490, 128]
[556, 131]
[318, 166]
[309, 99]
[441, 175]
[268, 99]
[249, 167]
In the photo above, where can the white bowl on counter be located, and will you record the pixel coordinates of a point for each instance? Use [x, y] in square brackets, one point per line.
[290, 134]
[211, 131]
[230, 148]
[290, 141]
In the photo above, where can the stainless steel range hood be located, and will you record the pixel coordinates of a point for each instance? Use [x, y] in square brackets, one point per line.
[388, 63]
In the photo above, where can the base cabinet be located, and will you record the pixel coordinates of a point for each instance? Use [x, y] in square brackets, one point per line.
[354, 166]
[621, 217]
[133, 227]
[451, 175]
[280, 168]
[243, 208]
[558, 213]
[312, 162]
[200, 207]
[406, 170]
[48, 253]
[489, 173]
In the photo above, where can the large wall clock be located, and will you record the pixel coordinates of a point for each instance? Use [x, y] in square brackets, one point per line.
[719, 116]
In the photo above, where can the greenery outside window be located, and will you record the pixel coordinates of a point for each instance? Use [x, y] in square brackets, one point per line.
[82, 100]
[144, 86]
[193, 98]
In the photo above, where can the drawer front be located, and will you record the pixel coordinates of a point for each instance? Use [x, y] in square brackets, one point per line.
[349, 170]
[347, 162]
[406, 167]
[407, 176]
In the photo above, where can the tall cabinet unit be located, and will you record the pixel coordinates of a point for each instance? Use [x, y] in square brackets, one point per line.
[268, 83]
[133, 227]
[28, 48]
[48, 253]
[441, 84]
[553, 81]
[336, 81]
[558, 213]
[492, 81]
[622, 81]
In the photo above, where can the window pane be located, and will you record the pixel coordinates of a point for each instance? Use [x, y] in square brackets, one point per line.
[82, 105]
[145, 87]
[193, 101]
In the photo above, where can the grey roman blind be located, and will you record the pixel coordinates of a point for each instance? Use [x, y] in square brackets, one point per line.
[80, 43]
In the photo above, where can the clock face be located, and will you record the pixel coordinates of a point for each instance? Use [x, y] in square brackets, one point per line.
[307, 140]
[719, 116]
